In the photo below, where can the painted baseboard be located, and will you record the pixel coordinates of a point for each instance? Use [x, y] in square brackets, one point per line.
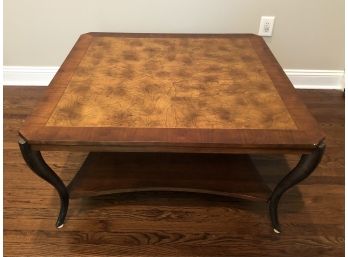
[316, 79]
[28, 75]
[304, 79]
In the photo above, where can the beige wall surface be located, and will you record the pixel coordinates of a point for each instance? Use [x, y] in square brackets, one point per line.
[307, 34]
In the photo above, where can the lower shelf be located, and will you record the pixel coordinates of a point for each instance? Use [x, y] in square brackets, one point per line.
[227, 175]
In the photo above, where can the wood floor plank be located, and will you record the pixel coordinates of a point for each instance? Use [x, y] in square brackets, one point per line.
[174, 224]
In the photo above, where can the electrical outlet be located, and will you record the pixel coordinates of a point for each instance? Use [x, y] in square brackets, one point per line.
[266, 26]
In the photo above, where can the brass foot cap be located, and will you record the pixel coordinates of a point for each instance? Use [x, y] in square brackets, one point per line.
[276, 231]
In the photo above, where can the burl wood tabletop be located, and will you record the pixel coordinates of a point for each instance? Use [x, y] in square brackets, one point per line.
[171, 93]
[171, 83]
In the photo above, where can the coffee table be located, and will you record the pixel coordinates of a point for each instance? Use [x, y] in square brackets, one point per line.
[171, 112]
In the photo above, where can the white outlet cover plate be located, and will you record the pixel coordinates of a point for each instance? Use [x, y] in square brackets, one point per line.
[266, 21]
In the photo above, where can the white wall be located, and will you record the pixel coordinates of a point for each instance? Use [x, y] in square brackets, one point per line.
[307, 35]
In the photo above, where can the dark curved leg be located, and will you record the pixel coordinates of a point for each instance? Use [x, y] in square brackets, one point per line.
[35, 162]
[303, 169]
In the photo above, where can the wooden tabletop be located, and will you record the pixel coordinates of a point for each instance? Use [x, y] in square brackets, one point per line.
[171, 92]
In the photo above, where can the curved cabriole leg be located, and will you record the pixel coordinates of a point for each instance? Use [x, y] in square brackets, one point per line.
[303, 169]
[37, 164]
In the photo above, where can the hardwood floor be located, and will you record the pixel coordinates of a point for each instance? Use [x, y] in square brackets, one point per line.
[174, 224]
